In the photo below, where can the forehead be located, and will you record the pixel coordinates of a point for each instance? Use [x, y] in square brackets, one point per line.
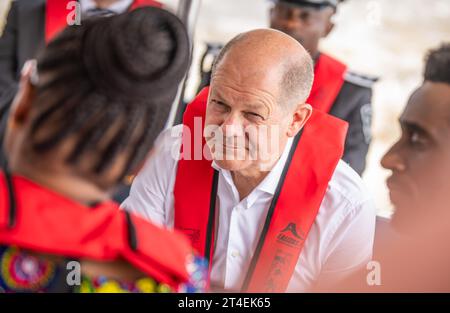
[234, 76]
[298, 8]
[429, 107]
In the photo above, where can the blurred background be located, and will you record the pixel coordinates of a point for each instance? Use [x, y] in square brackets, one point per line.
[4, 5]
[383, 38]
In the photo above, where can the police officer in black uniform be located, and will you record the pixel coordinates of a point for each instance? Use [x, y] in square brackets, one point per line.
[308, 21]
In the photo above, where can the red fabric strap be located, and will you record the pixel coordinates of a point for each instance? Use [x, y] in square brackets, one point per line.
[57, 12]
[328, 81]
[49, 223]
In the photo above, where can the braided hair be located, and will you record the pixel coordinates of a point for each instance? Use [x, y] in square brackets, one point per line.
[111, 83]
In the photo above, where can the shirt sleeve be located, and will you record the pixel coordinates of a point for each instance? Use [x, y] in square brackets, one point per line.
[152, 189]
[350, 246]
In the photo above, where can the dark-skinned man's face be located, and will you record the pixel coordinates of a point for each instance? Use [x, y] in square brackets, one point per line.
[420, 161]
[304, 23]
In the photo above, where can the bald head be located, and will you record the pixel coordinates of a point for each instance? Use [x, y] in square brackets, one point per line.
[264, 52]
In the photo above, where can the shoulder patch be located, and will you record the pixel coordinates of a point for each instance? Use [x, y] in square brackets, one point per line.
[366, 119]
[360, 80]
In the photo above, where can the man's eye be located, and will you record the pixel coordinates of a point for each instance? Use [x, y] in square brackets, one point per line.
[305, 16]
[416, 139]
[254, 116]
[220, 105]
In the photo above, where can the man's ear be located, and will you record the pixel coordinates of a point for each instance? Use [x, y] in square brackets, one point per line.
[21, 106]
[299, 119]
[330, 26]
[330, 16]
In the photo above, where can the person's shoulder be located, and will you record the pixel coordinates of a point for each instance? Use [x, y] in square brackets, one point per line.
[359, 80]
[166, 151]
[356, 93]
[173, 250]
[158, 244]
[170, 136]
[169, 140]
[347, 187]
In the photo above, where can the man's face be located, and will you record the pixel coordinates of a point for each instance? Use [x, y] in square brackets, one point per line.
[420, 161]
[247, 125]
[304, 23]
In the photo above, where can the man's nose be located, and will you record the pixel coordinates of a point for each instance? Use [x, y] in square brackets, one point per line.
[291, 24]
[393, 161]
[233, 126]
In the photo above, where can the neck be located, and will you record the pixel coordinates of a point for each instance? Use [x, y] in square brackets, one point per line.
[70, 186]
[315, 56]
[247, 180]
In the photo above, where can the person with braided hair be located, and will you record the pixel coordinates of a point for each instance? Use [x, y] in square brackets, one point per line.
[86, 114]
[30, 25]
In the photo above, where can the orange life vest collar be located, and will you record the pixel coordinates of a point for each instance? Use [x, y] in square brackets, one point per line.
[328, 81]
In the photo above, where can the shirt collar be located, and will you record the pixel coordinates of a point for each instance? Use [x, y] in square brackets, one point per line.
[269, 183]
[117, 7]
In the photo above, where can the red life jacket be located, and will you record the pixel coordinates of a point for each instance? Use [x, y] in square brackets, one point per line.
[328, 81]
[37, 219]
[310, 166]
[57, 12]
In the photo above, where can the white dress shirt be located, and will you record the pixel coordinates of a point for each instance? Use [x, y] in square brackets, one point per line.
[340, 240]
[117, 7]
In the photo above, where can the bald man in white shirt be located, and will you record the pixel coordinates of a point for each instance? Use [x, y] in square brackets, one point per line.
[286, 222]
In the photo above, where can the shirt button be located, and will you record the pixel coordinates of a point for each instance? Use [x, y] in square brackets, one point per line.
[235, 253]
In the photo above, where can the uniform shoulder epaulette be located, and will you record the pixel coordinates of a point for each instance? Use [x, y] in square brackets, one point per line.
[360, 80]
